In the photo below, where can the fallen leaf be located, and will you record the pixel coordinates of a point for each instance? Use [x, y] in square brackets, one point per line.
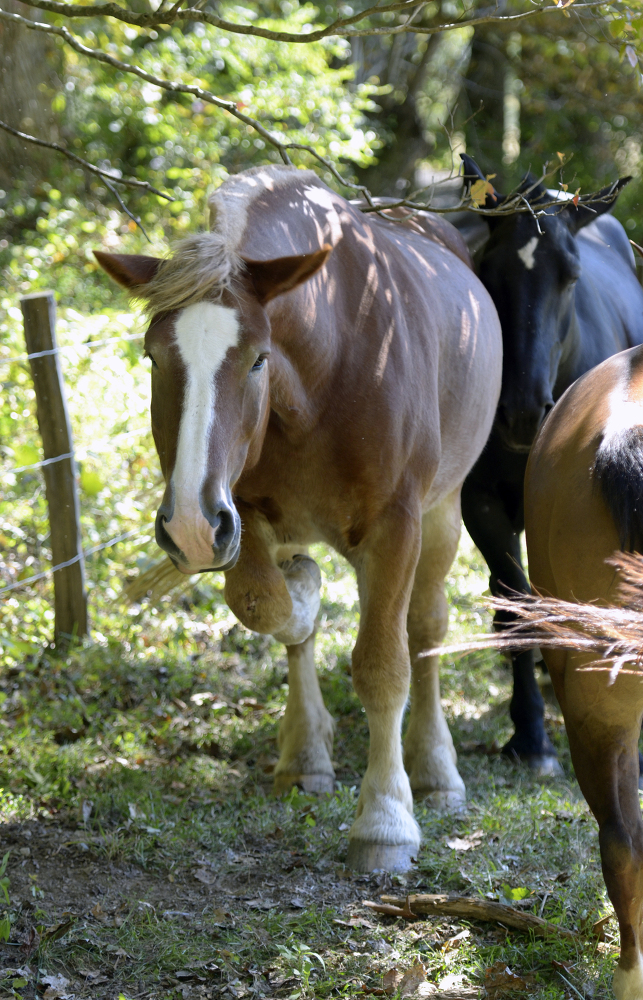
[563, 965]
[297, 903]
[57, 932]
[390, 981]
[56, 986]
[499, 978]
[203, 875]
[452, 943]
[412, 979]
[87, 809]
[261, 904]
[466, 843]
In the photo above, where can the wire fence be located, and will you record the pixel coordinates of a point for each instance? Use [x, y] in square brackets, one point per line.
[49, 463]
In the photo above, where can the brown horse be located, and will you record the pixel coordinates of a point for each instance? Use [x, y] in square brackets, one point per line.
[583, 501]
[322, 375]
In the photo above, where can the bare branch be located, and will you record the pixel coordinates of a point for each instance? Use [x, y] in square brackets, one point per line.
[103, 174]
[340, 28]
[516, 202]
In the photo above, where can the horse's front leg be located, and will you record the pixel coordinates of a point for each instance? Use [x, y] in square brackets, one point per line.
[275, 589]
[384, 834]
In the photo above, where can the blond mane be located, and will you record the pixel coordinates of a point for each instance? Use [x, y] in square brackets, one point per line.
[201, 266]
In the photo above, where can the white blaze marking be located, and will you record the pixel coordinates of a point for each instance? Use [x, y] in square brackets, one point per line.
[527, 252]
[204, 333]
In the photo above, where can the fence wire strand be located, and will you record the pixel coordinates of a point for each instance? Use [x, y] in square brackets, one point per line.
[69, 348]
[70, 562]
[136, 532]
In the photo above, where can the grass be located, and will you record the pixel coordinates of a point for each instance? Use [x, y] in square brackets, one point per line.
[148, 858]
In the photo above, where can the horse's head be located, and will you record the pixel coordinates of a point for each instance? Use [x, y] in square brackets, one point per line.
[209, 340]
[530, 269]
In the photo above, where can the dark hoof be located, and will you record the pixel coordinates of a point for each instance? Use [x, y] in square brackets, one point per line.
[363, 857]
[312, 783]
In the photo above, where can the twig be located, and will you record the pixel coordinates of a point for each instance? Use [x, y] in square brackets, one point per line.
[136, 219]
[469, 907]
[127, 181]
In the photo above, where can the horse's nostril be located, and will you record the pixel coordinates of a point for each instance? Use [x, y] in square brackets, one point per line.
[224, 530]
[163, 537]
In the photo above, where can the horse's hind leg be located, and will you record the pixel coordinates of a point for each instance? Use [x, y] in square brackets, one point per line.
[429, 754]
[487, 521]
[603, 725]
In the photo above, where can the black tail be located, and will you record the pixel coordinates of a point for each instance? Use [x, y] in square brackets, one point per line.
[618, 472]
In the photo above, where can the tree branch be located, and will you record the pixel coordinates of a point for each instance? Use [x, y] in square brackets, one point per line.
[515, 202]
[340, 28]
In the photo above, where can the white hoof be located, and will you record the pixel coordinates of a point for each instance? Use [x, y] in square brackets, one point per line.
[452, 801]
[313, 784]
[363, 857]
[385, 820]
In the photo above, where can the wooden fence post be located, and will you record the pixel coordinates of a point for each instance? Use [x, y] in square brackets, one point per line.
[39, 313]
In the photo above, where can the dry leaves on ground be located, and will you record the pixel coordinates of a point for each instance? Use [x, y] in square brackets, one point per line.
[499, 979]
[467, 843]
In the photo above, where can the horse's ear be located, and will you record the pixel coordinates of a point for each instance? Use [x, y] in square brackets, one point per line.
[128, 269]
[471, 175]
[594, 205]
[274, 277]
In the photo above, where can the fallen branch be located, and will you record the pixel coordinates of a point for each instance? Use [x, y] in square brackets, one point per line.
[471, 908]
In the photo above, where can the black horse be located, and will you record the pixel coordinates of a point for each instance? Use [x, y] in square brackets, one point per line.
[567, 297]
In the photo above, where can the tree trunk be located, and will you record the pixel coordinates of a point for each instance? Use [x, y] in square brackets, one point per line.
[393, 62]
[29, 61]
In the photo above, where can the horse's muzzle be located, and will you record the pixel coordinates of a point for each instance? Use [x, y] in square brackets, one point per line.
[518, 428]
[199, 541]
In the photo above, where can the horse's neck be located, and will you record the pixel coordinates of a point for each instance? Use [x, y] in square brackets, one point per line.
[571, 354]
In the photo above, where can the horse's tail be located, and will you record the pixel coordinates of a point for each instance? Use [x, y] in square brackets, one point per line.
[618, 473]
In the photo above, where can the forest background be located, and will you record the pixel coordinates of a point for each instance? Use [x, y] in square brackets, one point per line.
[386, 99]
[129, 763]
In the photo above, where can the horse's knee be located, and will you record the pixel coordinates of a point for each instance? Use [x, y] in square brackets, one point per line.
[257, 594]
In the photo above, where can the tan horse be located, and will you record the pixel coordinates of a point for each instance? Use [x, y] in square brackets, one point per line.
[583, 501]
[322, 375]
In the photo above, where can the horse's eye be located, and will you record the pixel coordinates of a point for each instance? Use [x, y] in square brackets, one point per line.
[259, 363]
[148, 355]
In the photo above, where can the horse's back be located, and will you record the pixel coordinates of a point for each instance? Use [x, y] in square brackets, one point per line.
[609, 298]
